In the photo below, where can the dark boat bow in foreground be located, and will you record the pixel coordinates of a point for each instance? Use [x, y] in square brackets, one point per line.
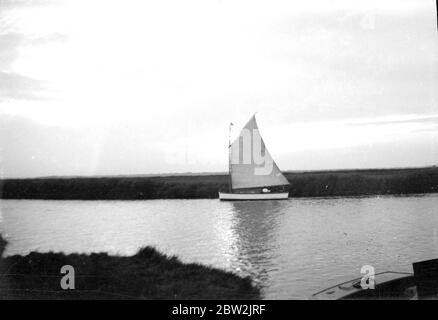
[420, 285]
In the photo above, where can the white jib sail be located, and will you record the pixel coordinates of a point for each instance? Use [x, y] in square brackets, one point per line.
[251, 165]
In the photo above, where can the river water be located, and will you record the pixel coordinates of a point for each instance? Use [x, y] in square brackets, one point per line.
[291, 248]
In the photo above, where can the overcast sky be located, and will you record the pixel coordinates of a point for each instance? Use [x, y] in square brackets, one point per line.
[138, 87]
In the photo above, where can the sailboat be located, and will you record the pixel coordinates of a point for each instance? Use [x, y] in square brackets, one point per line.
[253, 174]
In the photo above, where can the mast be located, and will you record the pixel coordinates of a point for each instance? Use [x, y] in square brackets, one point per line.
[230, 183]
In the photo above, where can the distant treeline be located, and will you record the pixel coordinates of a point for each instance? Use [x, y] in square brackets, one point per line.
[302, 184]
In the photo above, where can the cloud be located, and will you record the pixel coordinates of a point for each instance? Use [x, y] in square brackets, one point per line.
[16, 86]
[46, 39]
[6, 4]
[9, 44]
[432, 119]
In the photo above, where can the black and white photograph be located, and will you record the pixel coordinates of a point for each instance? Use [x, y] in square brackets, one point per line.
[221, 150]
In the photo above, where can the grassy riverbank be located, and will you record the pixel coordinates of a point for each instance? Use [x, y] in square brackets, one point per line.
[145, 275]
[303, 184]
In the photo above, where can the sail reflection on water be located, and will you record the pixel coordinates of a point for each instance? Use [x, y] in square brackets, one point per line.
[254, 228]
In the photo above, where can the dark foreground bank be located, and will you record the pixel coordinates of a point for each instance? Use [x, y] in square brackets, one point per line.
[145, 275]
[302, 184]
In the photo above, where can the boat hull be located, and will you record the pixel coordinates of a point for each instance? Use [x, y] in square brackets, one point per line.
[223, 196]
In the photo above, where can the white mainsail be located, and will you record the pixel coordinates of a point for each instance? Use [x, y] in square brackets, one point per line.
[251, 165]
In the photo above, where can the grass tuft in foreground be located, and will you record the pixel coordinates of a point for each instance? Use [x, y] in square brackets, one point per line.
[145, 275]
